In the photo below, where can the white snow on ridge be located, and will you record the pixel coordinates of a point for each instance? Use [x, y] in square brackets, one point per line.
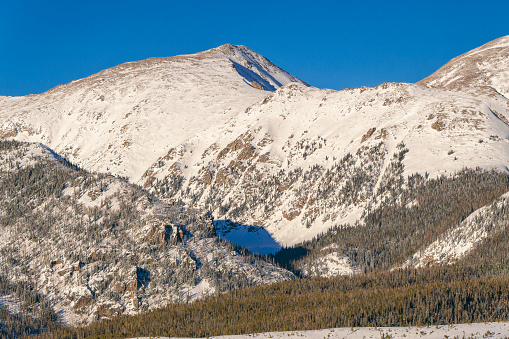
[268, 72]
[406, 112]
[183, 116]
[487, 65]
[121, 120]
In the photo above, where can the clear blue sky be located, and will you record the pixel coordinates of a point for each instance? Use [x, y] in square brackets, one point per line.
[332, 44]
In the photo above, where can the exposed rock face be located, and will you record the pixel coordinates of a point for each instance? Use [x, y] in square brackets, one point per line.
[162, 233]
[368, 134]
[256, 85]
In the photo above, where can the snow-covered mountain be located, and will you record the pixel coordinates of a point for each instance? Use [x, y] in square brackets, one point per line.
[228, 131]
[94, 246]
[121, 120]
[275, 162]
[305, 159]
[485, 66]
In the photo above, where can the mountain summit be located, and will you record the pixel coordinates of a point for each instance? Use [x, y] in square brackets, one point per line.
[122, 119]
[487, 65]
[247, 62]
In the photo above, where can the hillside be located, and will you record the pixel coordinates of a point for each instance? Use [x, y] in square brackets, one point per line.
[227, 131]
[95, 246]
[425, 297]
[483, 69]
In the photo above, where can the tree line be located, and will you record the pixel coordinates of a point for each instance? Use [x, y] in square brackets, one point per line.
[407, 297]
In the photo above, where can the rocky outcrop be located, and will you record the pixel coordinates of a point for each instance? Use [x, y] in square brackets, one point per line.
[163, 233]
[108, 310]
[256, 85]
[368, 134]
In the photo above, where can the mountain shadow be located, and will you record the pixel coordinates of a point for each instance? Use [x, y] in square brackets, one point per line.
[254, 238]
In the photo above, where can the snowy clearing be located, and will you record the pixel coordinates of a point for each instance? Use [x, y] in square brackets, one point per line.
[477, 330]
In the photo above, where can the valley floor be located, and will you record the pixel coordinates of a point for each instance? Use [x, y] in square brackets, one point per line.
[475, 330]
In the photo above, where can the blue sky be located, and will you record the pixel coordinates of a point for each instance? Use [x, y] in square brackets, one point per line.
[332, 44]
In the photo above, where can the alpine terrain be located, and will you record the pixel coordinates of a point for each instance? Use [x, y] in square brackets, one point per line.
[164, 180]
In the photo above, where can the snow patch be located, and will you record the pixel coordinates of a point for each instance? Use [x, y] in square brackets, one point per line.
[474, 330]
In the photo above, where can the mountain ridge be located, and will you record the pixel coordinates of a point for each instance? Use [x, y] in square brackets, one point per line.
[223, 144]
[202, 90]
[205, 134]
[486, 65]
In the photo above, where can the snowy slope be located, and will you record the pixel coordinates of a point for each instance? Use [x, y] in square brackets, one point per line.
[330, 263]
[208, 130]
[487, 65]
[459, 241]
[275, 165]
[122, 119]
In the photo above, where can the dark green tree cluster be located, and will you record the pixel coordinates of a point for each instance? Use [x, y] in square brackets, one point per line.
[35, 313]
[394, 231]
[430, 296]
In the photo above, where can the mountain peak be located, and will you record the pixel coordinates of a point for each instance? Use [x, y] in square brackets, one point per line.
[169, 94]
[484, 66]
[228, 48]
[255, 68]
